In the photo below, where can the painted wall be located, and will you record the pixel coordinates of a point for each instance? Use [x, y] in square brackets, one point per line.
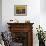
[33, 8]
[43, 14]
[43, 6]
[34, 14]
[0, 15]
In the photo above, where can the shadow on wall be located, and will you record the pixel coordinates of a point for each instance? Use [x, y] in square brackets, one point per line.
[0, 23]
[0, 15]
[43, 6]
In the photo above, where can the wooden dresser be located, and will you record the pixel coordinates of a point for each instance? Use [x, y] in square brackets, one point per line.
[22, 33]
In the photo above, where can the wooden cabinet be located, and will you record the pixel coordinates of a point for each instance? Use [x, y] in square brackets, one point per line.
[22, 33]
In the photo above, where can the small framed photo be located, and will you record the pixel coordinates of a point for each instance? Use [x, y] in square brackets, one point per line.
[20, 10]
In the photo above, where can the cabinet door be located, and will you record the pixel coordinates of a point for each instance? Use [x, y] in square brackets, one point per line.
[20, 37]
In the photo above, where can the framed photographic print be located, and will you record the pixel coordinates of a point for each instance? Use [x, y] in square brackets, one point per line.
[20, 10]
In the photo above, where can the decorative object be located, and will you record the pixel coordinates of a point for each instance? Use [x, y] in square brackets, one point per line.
[27, 21]
[13, 21]
[20, 10]
[1, 40]
[41, 36]
[7, 38]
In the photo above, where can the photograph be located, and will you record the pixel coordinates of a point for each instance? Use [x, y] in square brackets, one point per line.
[20, 10]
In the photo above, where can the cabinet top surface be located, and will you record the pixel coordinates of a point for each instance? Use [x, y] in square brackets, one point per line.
[19, 23]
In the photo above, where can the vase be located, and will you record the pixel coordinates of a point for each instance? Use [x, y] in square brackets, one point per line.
[41, 43]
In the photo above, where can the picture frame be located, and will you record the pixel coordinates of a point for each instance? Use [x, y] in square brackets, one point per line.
[20, 10]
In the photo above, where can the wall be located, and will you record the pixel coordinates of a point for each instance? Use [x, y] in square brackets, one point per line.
[33, 14]
[43, 5]
[0, 15]
[43, 14]
[33, 8]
